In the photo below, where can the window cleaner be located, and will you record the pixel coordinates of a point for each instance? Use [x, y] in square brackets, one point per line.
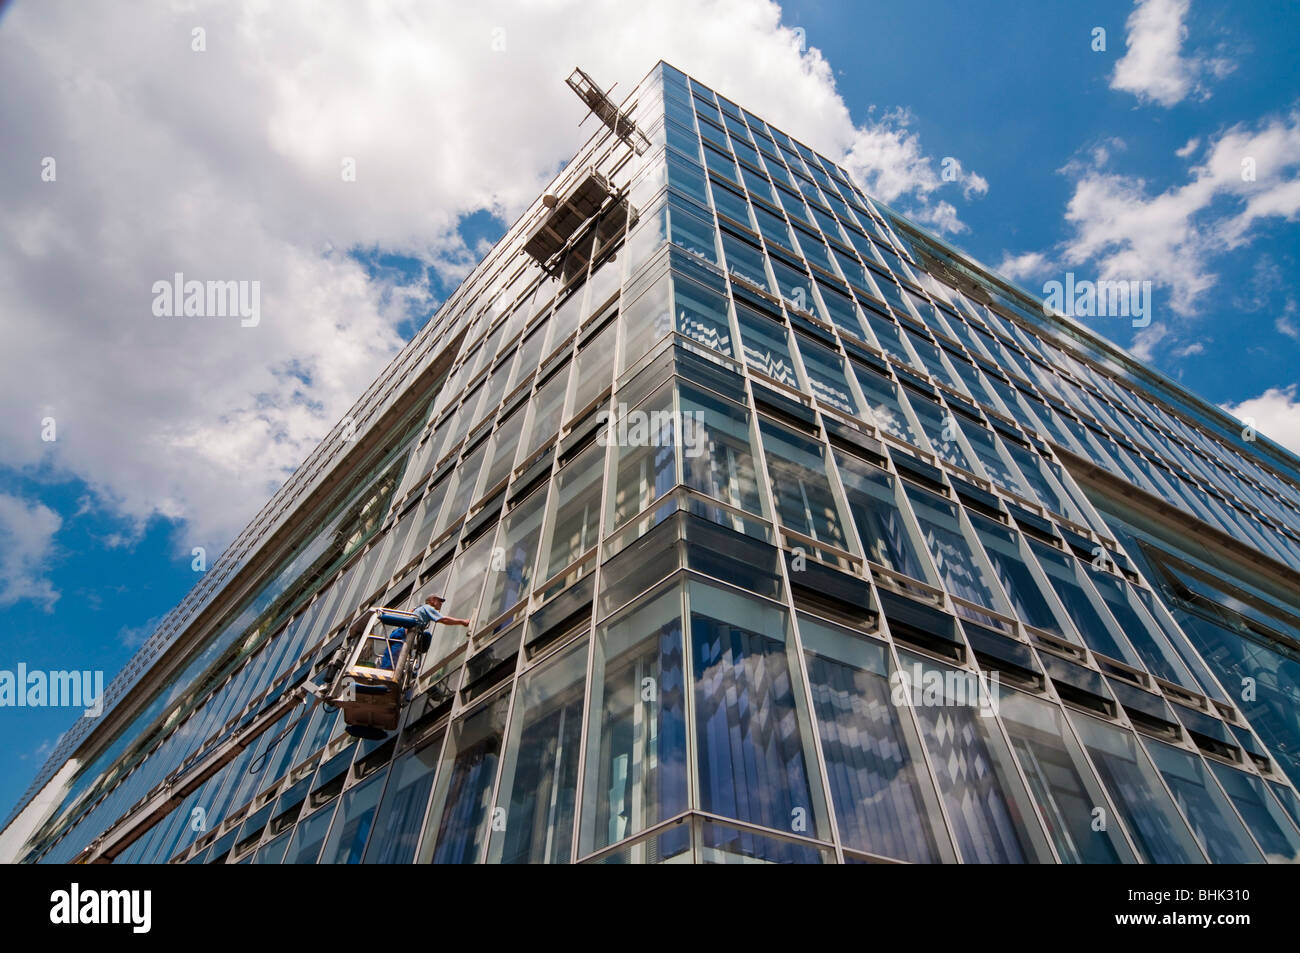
[370, 677]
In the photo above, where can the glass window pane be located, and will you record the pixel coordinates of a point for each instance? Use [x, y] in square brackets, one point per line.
[702, 314]
[356, 815]
[873, 500]
[575, 523]
[794, 285]
[691, 231]
[1153, 822]
[884, 800]
[1071, 587]
[750, 731]
[645, 321]
[459, 817]
[939, 427]
[545, 413]
[745, 261]
[1213, 822]
[717, 457]
[800, 488]
[992, 818]
[636, 744]
[882, 398]
[1068, 796]
[1032, 605]
[595, 367]
[646, 466]
[397, 824]
[958, 565]
[539, 777]
[1273, 830]
[510, 575]
[826, 375]
[309, 835]
[767, 346]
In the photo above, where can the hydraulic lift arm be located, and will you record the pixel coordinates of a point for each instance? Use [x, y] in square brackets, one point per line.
[105, 848]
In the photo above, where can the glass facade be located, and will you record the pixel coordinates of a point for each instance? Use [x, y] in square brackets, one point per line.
[789, 535]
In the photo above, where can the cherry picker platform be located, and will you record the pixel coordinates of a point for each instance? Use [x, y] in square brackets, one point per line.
[370, 677]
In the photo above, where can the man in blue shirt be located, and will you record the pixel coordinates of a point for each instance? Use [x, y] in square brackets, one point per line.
[428, 614]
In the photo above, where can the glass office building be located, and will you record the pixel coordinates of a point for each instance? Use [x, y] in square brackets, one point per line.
[790, 534]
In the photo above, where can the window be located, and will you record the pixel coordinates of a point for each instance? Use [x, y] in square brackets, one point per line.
[575, 511]
[646, 466]
[691, 231]
[766, 345]
[545, 412]
[717, 457]
[309, 835]
[826, 375]
[459, 817]
[1267, 821]
[356, 815]
[510, 578]
[636, 742]
[800, 488]
[702, 314]
[751, 728]
[398, 820]
[539, 774]
[884, 800]
[745, 261]
[872, 496]
[881, 394]
[1061, 783]
[958, 564]
[1072, 587]
[1158, 832]
[1212, 819]
[992, 818]
[1003, 548]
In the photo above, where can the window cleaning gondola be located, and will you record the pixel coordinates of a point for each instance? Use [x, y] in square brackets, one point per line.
[370, 676]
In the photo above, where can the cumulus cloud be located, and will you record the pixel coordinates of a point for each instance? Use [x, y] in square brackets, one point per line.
[1250, 173]
[1154, 67]
[1025, 267]
[27, 531]
[1274, 413]
[886, 159]
[1146, 340]
[226, 164]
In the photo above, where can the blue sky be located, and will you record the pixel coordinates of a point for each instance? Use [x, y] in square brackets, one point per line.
[222, 162]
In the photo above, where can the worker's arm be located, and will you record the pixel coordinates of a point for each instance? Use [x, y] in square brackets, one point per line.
[449, 620]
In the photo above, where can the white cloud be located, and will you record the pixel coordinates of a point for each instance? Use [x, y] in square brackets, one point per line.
[226, 165]
[1248, 174]
[1024, 267]
[1154, 68]
[886, 159]
[1187, 350]
[133, 636]
[1191, 146]
[1146, 340]
[1274, 413]
[27, 531]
